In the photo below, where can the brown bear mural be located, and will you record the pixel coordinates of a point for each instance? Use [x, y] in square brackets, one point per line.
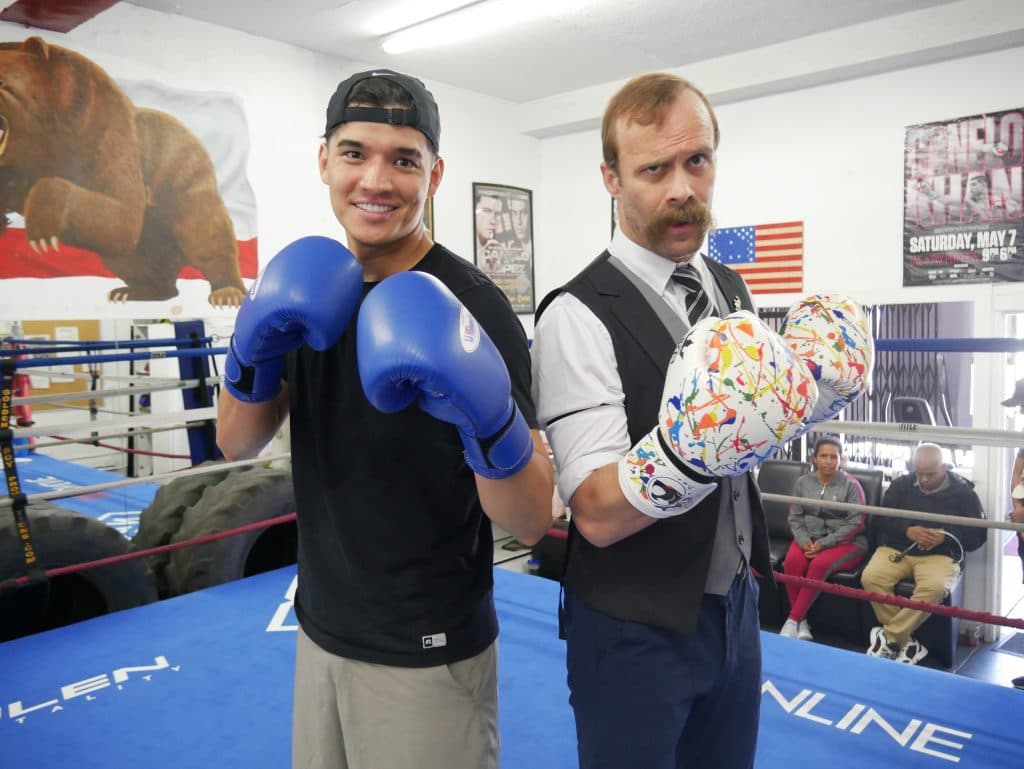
[87, 168]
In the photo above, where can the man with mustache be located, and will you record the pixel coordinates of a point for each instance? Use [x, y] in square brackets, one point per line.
[660, 610]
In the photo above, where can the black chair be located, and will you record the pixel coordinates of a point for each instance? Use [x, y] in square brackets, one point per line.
[776, 476]
[912, 410]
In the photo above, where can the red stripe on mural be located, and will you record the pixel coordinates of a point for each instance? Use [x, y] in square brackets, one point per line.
[18, 260]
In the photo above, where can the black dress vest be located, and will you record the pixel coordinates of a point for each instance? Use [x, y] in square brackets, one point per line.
[657, 575]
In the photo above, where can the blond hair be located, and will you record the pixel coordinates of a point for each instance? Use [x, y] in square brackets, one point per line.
[646, 100]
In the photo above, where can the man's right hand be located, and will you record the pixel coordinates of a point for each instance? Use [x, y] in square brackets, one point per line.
[734, 394]
[305, 295]
[925, 538]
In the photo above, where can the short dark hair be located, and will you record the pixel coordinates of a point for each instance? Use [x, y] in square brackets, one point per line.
[828, 439]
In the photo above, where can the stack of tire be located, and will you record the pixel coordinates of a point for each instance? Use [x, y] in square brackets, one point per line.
[209, 503]
[63, 538]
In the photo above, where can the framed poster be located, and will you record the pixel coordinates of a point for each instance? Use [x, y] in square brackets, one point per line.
[503, 240]
[962, 200]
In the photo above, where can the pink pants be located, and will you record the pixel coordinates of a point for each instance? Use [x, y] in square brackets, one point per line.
[823, 565]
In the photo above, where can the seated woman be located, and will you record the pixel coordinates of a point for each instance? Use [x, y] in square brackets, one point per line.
[824, 540]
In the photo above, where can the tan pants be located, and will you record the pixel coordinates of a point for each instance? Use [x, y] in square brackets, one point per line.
[357, 715]
[934, 577]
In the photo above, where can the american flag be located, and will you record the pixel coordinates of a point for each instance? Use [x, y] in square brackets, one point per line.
[770, 257]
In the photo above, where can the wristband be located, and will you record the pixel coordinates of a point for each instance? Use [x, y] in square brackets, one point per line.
[656, 485]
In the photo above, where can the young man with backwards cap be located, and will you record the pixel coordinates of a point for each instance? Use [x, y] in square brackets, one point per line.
[407, 377]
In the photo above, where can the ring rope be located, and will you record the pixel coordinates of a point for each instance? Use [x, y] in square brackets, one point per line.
[198, 470]
[145, 420]
[111, 392]
[74, 568]
[48, 346]
[825, 587]
[911, 431]
[896, 600]
[953, 344]
[93, 438]
[143, 452]
[856, 593]
[892, 512]
[98, 376]
[75, 360]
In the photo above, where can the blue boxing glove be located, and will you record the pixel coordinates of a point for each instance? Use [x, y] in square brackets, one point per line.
[305, 295]
[416, 342]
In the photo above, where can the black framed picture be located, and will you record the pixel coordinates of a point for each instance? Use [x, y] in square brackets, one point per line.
[503, 240]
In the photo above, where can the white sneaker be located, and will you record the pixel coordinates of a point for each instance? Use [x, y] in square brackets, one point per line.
[789, 629]
[803, 631]
[880, 645]
[912, 652]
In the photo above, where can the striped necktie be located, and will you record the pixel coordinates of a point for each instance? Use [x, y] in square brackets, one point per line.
[698, 305]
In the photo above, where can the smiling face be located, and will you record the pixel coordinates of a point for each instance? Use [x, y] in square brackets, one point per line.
[663, 178]
[380, 177]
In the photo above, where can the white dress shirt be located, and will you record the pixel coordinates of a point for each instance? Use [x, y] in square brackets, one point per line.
[576, 384]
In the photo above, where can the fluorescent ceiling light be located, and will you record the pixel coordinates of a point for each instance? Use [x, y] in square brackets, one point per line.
[413, 12]
[473, 21]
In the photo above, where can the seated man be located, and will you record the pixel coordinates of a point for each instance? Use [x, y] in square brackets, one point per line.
[930, 555]
[824, 540]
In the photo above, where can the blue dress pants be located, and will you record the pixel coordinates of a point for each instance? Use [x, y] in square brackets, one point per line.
[648, 697]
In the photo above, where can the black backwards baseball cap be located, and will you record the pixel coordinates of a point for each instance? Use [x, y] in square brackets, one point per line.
[423, 116]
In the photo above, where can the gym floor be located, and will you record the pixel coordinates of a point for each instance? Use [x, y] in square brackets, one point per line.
[984, 661]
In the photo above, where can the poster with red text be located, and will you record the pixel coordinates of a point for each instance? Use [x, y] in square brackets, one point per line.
[962, 219]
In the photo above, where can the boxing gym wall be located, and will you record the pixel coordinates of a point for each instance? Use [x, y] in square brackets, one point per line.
[808, 134]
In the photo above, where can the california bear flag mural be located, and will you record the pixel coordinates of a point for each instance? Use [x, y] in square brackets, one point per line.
[94, 184]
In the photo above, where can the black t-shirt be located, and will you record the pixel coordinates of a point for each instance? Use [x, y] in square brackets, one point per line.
[395, 553]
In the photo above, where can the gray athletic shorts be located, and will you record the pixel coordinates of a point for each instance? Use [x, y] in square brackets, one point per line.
[358, 715]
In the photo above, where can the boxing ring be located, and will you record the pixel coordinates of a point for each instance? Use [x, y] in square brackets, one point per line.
[205, 680]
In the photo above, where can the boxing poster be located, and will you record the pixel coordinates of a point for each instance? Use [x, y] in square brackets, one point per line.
[962, 220]
[503, 240]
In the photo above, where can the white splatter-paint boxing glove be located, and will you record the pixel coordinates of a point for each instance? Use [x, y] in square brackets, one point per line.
[734, 394]
[832, 335]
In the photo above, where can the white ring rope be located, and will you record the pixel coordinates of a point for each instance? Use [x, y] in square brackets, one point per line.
[146, 420]
[199, 470]
[54, 374]
[892, 512]
[911, 432]
[141, 432]
[93, 395]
